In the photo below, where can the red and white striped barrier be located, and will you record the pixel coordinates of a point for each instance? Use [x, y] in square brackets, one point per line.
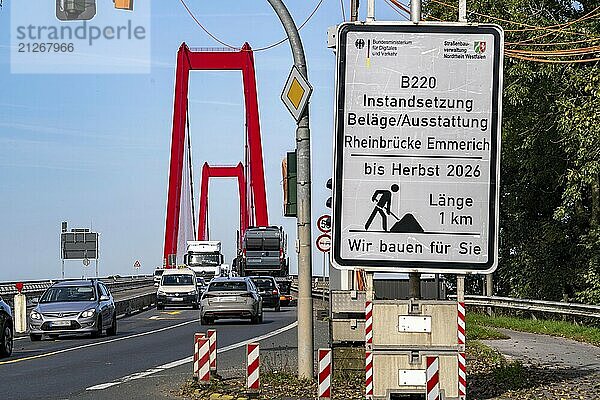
[462, 376]
[324, 373]
[196, 365]
[462, 361]
[212, 340]
[252, 367]
[461, 323]
[203, 359]
[369, 374]
[369, 323]
[432, 376]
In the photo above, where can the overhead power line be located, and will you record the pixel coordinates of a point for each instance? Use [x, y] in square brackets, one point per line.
[223, 43]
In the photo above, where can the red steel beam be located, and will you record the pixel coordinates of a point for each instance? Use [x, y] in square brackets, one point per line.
[188, 60]
[222, 172]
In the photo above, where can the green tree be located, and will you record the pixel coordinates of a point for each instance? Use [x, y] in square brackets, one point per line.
[550, 165]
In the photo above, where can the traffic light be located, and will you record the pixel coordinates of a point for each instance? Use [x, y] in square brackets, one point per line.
[329, 186]
[288, 169]
[124, 4]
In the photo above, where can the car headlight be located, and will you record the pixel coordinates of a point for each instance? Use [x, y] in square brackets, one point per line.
[193, 292]
[88, 313]
[161, 293]
[35, 315]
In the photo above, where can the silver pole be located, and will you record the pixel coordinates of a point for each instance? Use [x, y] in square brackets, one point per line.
[415, 11]
[305, 301]
[370, 10]
[354, 5]
[414, 278]
[462, 10]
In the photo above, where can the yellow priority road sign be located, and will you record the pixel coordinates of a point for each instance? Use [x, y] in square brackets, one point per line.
[295, 93]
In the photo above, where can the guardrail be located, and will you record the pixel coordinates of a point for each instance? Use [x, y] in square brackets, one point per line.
[319, 292]
[114, 283]
[533, 307]
[134, 303]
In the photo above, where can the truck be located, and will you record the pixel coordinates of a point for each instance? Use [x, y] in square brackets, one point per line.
[204, 257]
[262, 251]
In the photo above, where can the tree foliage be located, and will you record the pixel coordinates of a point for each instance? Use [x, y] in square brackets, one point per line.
[550, 165]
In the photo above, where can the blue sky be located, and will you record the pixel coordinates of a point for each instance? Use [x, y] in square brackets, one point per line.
[94, 149]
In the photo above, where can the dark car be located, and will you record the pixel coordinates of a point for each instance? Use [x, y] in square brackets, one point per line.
[82, 306]
[6, 329]
[268, 290]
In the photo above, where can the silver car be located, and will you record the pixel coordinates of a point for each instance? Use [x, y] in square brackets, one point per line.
[234, 297]
[83, 306]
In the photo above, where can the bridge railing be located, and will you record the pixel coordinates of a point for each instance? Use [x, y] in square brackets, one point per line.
[114, 283]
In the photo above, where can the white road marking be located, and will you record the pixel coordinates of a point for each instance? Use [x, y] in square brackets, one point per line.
[189, 359]
[52, 353]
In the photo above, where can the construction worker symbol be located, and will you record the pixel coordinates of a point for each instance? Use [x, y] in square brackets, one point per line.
[383, 202]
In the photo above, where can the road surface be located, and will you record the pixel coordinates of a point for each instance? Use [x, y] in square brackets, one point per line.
[69, 367]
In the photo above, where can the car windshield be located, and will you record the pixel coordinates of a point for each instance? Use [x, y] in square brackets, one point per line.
[68, 293]
[263, 283]
[226, 286]
[177, 280]
[205, 259]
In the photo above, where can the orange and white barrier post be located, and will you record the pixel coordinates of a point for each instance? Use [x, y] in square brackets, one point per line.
[212, 339]
[252, 368]
[432, 377]
[324, 373]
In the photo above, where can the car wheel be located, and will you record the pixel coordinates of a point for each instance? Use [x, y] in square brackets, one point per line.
[98, 332]
[35, 337]
[6, 341]
[112, 331]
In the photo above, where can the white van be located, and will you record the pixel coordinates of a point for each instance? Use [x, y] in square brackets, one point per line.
[178, 287]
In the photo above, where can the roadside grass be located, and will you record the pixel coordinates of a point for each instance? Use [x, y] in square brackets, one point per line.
[476, 331]
[274, 385]
[546, 327]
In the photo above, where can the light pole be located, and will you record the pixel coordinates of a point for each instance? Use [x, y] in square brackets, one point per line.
[305, 302]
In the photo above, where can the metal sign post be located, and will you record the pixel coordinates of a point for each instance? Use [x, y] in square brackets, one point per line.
[417, 147]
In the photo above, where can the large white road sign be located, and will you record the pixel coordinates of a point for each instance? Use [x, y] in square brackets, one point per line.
[417, 147]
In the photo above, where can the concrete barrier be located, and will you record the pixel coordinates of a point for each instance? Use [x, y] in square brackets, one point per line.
[134, 304]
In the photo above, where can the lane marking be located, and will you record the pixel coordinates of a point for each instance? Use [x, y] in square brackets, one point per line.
[177, 363]
[52, 353]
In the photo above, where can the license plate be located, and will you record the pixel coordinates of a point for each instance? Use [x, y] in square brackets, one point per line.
[255, 260]
[227, 299]
[61, 323]
[176, 298]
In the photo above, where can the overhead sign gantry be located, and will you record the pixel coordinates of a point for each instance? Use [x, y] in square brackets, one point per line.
[417, 147]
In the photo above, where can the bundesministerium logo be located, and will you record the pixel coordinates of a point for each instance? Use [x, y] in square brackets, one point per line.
[75, 10]
[479, 47]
